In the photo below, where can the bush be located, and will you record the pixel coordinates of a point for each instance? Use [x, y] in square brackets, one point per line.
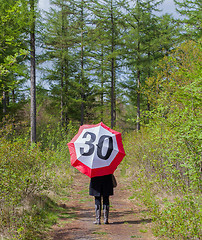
[165, 156]
[173, 205]
[26, 174]
[180, 219]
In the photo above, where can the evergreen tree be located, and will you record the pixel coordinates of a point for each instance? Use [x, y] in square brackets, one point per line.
[99, 65]
[148, 38]
[191, 15]
[106, 32]
[85, 85]
[59, 45]
[66, 40]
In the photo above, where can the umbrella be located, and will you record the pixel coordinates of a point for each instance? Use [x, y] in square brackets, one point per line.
[96, 150]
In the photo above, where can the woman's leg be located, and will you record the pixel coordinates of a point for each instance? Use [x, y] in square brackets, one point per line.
[105, 200]
[98, 209]
[106, 209]
[98, 200]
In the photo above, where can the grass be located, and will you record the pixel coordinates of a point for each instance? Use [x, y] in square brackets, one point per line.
[99, 233]
[83, 192]
[85, 200]
[66, 215]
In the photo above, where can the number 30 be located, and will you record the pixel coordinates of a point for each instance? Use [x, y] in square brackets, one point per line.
[99, 146]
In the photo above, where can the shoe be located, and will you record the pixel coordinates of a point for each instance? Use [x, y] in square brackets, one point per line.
[97, 214]
[106, 213]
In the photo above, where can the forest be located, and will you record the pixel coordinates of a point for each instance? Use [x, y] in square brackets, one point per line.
[120, 62]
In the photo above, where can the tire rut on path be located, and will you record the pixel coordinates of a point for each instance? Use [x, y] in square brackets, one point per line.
[127, 221]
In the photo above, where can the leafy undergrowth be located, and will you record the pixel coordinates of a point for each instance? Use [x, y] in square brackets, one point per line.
[163, 160]
[180, 219]
[28, 175]
[35, 222]
[173, 200]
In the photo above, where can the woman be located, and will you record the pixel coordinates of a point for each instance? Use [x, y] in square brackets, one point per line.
[101, 187]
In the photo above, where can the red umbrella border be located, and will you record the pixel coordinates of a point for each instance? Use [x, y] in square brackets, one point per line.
[97, 171]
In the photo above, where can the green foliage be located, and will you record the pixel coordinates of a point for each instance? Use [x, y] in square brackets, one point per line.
[156, 183]
[177, 113]
[13, 44]
[164, 158]
[13, 18]
[180, 219]
[35, 220]
[22, 167]
[27, 174]
[23, 174]
[190, 11]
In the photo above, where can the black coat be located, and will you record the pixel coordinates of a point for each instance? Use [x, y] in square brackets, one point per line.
[101, 186]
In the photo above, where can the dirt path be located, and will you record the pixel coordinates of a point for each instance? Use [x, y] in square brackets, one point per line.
[127, 221]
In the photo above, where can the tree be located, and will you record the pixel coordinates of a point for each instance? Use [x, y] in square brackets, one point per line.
[106, 32]
[148, 38]
[99, 65]
[191, 16]
[174, 94]
[13, 49]
[59, 44]
[66, 44]
[32, 71]
[86, 83]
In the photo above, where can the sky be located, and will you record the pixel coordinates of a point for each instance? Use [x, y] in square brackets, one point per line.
[168, 6]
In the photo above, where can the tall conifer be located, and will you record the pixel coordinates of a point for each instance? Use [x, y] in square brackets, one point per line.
[191, 15]
[66, 39]
[60, 46]
[144, 47]
[107, 30]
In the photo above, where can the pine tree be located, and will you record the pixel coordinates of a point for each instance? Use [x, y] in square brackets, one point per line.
[146, 43]
[66, 40]
[98, 45]
[58, 45]
[84, 85]
[191, 15]
[106, 29]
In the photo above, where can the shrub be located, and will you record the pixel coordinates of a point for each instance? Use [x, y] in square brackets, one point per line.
[26, 174]
[173, 205]
[180, 219]
[165, 156]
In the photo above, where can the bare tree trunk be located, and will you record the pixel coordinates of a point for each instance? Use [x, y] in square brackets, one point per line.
[102, 84]
[62, 75]
[82, 68]
[33, 74]
[138, 100]
[138, 79]
[66, 90]
[13, 96]
[7, 98]
[113, 101]
[62, 94]
[149, 74]
[4, 102]
[82, 81]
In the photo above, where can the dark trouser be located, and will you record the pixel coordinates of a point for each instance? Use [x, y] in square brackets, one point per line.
[105, 200]
[105, 208]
